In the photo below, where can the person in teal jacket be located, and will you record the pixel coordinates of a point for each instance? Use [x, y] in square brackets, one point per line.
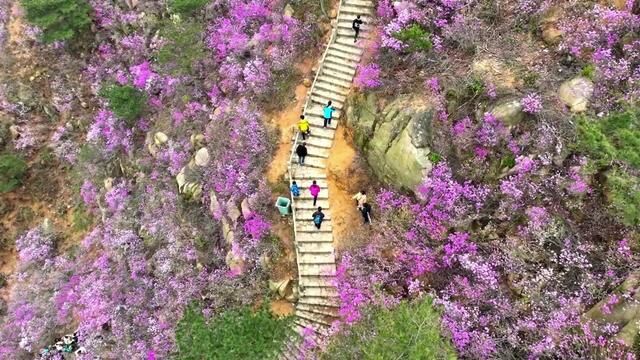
[327, 113]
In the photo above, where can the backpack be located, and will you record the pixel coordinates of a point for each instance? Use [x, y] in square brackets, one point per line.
[295, 190]
[317, 219]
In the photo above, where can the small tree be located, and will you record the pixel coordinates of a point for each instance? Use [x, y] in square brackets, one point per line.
[186, 7]
[235, 334]
[417, 38]
[12, 170]
[408, 331]
[125, 101]
[58, 19]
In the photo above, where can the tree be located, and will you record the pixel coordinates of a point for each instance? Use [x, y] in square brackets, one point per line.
[12, 169]
[408, 331]
[58, 19]
[125, 101]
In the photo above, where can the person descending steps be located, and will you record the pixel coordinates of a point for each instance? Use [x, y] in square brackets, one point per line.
[314, 189]
[295, 190]
[327, 114]
[301, 151]
[318, 217]
[356, 27]
[303, 126]
[366, 213]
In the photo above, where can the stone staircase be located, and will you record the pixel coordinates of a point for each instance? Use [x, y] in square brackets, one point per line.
[318, 301]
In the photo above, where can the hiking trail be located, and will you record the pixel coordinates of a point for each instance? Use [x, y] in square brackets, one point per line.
[318, 302]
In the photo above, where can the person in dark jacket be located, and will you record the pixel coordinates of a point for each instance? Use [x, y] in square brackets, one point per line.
[301, 151]
[318, 217]
[366, 213]
[356, 27]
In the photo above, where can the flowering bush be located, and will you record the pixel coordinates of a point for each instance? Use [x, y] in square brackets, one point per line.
[368, 77]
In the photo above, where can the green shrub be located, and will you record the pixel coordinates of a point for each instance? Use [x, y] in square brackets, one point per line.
[409, 331]
[589, 71]
[235, 334]
[434, 157]
[125, 101]
[623, 192]
[613, 138]
[58, 19]
[186, 7]
[12, 170]
[81, 219]
[416, 37]
[184, 45]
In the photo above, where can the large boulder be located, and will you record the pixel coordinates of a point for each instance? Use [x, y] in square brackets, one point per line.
[575, 93]
[508, 111]
[202, 157]
[396, 139]
[491, 70]
[551, 33]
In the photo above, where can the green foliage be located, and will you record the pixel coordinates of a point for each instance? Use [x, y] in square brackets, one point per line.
[507, 162]
[589, 71]
[235, 334]
[530, 78]
[58, 19]
[475, 87]
[12, 170]
[81, 219]
[186, 7]
[623, 192]
[416, 37]
[125, 101]
[613, 138]
[434, 157]
[409, 331]
[184, 45]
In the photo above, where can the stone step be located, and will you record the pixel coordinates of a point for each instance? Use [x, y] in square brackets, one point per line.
[306, 195]
[349, 17]
[314, 258]
[317, 281]
[341, 64]
[332, 72]
[313, 317]
[347, 49]
[311, 162]
[323, 301]
[330, 95]
[315, 248]
[318, 151]
[348, 32]
[303, 172]
[314, 111]
[321, 100]
[307, 204]
[317, 328]
[319, 309]
[348, 41]
[350, 57]
[361, 3]
[313, 235]
[307, 214]
[318, 131]
[325, 85]
[336, 82]
[354, 10]
[320, 292]
[319, 142]
[339, 58]
[317, 270]
[307, 227]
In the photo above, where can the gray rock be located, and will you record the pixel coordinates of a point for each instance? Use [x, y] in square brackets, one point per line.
[246, 209]
[288, 10]
[396, 140]
[575, 93]
[214, 206]
[202, 157]
[509, 111]
[233, 212]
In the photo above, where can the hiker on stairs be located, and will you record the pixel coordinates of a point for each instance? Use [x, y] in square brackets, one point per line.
[301, 151]
[356, 27]
[360, 198]
[303, 125]
[295, 190]
[327, 113]
[314, 189]
[318, 217]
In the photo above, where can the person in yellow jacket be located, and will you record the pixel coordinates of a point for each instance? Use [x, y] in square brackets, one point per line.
[303, 126]
[360, 198]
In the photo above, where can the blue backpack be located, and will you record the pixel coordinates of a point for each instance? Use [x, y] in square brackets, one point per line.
[317, 219]
[295, 190]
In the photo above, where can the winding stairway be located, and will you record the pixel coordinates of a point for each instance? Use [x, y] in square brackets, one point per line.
[318, 301]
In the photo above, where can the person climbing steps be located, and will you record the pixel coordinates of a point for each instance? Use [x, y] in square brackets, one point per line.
[360, 198]
[327, 114]
[314, 189]
[303, 126]
[301, 151]
[356, 27]
[366, 213]
[318, 217]
[295, 190]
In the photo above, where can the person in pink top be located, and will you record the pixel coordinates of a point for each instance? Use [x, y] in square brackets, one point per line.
[314, 189]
